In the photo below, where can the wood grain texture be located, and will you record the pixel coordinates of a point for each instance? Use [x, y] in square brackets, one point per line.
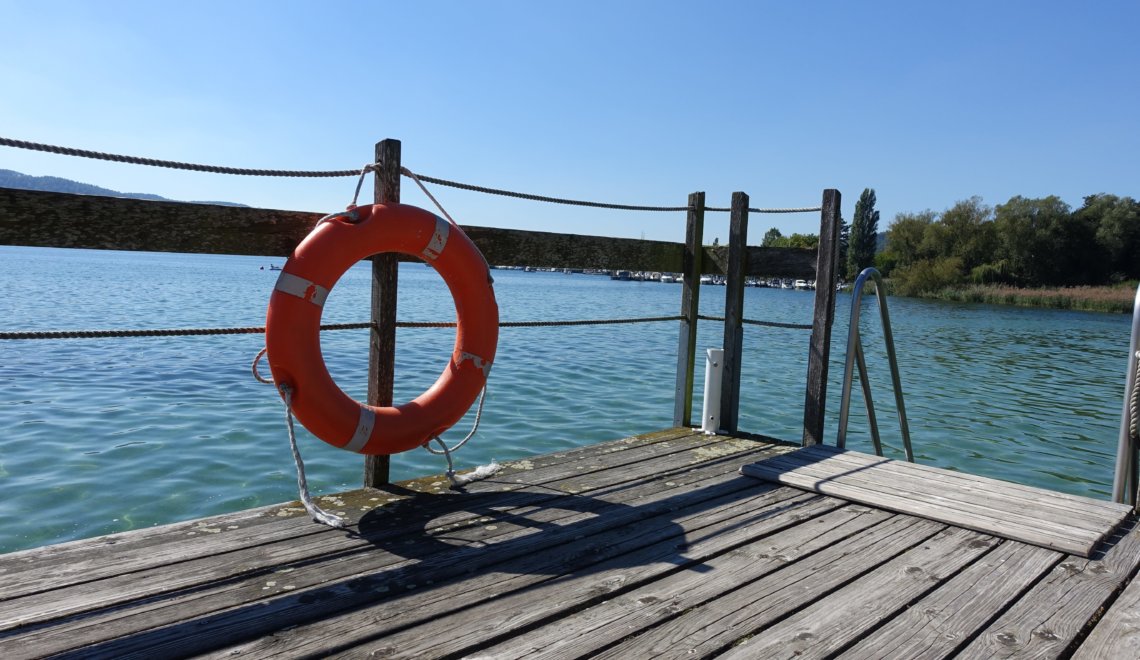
[690, 309]
[1064, 508]
[654, 604]
[977, 503]
[46, 219]
[299, 539]
[651, 546]
[823, 317]
[734, 313]
[939, 624]
[1048, 619]
[1117, 634]
[827, 626]
[384, 298]
[722, 622]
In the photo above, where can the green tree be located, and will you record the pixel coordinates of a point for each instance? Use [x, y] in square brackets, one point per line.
[771, 237]
[1117, 222]
[805, 241]
[966, 231]
[906, 234]
[864, 230]
[1041, 242]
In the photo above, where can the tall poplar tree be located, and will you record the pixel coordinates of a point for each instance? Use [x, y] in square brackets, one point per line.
[864, 230]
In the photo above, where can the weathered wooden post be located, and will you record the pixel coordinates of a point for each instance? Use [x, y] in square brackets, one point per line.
[734, 312]
[382, 341]
[690, 306]
[819, 351]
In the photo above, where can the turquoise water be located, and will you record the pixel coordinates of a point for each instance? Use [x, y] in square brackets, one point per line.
[106, 435]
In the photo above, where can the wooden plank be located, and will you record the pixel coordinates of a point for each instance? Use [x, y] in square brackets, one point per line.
[373, 603]
[335, 558]
[1086, 505]
[939, 624]
[45, 219]
[829, 625]
[763, 262]
[1007, 524]
[588, 631]
[1117, 634]
[294, 541]
[1090, 516]
[1027, 518]
[1049, 618]
[363, 576]
[690, 309]
[521, 603]
[823, 317]
[714, 626]
[54, 567]
[385, 285]
[734, 313]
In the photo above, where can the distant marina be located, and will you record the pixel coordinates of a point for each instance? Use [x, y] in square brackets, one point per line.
[668, 278]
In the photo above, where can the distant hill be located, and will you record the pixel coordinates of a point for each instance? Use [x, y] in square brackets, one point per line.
[21, 181]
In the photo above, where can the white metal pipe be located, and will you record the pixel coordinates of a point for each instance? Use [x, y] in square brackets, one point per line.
[714, 374]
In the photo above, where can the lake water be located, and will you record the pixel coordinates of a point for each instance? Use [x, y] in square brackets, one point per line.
[107, 435]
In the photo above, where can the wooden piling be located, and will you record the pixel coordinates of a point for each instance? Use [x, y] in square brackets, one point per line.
[734, 312]
[382, 341]
[690, 307]
[819, 351]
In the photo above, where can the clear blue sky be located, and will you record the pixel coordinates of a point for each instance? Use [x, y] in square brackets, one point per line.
[634, 102]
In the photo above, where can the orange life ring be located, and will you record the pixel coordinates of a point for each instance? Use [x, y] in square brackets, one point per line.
[292, 333]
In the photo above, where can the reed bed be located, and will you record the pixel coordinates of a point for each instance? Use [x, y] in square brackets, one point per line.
[1117, 298]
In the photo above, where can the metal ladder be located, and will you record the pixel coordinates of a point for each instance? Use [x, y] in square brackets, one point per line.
[855, 356]
[1127, 451]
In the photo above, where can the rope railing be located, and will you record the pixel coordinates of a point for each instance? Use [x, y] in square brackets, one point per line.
[766, 324]
[152, 162]
[241, 171]
[254, 330]
[180, 332]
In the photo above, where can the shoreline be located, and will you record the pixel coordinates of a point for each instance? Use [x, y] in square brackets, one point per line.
[1115, 299]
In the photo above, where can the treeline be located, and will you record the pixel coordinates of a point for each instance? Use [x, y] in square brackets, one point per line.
[1024, 242]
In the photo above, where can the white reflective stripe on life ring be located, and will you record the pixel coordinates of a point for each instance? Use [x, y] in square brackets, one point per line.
[438, 239]
[364, 427]
[302, 288]
[480, 363]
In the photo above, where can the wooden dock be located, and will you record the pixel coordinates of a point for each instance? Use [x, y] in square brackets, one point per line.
[653, 546]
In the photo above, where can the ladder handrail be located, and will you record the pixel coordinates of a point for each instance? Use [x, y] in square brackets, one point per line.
[855, 349]
[1124, 478]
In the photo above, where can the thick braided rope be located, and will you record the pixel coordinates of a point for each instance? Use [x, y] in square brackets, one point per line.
[169, 332]
[135, 160]
[179, 332]
[1134, 402]
[242, 171]
[578, 202]
[796, 209]
[176, 332]
[766, 324]
[543, 198]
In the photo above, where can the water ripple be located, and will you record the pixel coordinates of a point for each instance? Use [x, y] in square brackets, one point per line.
[109, 435]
